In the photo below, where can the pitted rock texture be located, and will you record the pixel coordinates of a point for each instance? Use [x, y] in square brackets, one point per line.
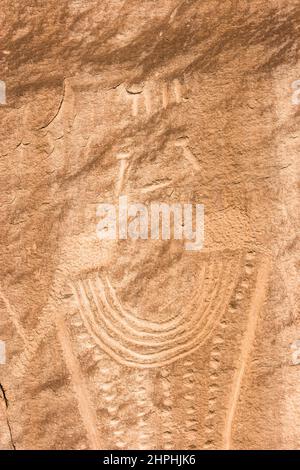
[141, 344]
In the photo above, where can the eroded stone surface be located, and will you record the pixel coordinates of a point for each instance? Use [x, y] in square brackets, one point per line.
[141, 344]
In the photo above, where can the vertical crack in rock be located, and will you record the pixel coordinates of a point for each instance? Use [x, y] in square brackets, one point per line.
[5, 399]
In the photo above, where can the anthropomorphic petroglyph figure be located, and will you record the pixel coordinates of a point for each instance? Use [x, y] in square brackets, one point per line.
[156, 317]
[177, 316]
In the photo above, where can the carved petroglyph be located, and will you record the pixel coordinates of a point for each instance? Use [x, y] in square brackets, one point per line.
[171, 93]
[183, 144]
[30, 341]
[213, 387]
[138, 99]
[134, 94]
[165, 96]
[2, 352]
[218, 354]
[215, 357]
[296, 93]
[143, 402]
[109, 394]
[247, 345]
[53, 319]
[85, 406]
[295, 347]
[140, 343]
[154, 187]
[166, 413]
[151, 98]
[124, 162]
[190, 398]
[177, 91]
[14, 317]
[2, 92]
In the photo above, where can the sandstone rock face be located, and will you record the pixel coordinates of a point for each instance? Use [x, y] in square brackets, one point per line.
[140, 343]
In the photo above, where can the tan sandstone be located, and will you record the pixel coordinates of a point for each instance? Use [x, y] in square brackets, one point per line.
[141, 344]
